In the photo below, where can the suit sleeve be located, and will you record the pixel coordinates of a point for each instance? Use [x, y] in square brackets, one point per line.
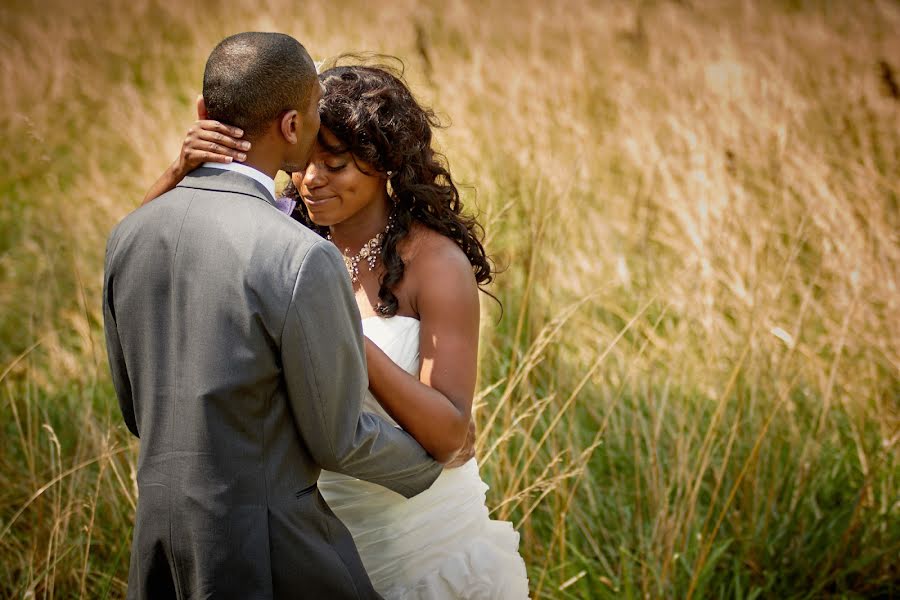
[325, 371]
[117, 366]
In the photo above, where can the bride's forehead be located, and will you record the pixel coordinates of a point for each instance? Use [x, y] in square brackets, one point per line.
[326, 136]
[327, 143]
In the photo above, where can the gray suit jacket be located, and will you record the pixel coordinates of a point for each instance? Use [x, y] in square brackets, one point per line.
[236, 352]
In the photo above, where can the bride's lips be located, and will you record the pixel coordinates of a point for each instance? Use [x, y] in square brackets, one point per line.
[313, 202]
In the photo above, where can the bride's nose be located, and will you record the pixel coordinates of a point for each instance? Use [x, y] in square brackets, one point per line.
[314, 176]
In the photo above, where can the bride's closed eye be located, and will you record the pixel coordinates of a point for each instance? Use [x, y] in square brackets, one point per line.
[334, 168]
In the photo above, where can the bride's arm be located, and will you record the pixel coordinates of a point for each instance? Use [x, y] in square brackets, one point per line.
[436, 407]
[206, 141]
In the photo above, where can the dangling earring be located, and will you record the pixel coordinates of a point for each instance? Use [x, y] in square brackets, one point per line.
[393, 196]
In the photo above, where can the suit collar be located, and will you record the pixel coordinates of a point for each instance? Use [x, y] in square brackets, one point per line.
[218, 180]
[243, 169]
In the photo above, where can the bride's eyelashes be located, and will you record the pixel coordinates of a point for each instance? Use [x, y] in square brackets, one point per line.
[335, 168]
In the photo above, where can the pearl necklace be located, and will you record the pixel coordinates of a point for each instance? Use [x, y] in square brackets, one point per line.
[369, 252]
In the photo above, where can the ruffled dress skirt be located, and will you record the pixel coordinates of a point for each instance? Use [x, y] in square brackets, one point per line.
[439, 545]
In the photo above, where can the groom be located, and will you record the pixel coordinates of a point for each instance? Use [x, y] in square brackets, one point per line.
[236, 352]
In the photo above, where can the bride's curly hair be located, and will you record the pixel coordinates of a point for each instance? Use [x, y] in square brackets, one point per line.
[377, 120]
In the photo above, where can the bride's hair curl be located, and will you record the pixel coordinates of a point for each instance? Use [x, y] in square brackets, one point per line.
[376, 119]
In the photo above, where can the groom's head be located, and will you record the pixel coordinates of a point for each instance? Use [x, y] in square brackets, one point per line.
[266, 84]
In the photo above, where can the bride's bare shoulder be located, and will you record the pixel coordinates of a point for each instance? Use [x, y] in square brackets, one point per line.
[424, 249]
[436, 266]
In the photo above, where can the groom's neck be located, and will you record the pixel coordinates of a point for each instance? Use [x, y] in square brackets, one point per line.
[265, 158]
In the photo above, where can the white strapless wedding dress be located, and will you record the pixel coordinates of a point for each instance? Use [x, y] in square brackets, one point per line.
[441, 544]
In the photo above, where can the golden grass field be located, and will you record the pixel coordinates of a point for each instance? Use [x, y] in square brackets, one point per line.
[694, 387]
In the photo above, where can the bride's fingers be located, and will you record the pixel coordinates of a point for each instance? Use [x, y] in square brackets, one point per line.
[198, 157]
[224, 135]
[218, 127]
[221, 139]
[211, 141]
[216, 149]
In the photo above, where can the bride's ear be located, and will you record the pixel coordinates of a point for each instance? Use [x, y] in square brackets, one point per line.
[201, 108]
[290, 126]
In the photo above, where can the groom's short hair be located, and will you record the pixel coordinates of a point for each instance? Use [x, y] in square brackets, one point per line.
[252, 77]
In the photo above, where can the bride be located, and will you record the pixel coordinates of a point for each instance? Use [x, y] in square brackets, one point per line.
[376, 188]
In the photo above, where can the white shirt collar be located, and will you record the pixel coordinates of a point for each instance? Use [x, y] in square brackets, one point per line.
[266, 181]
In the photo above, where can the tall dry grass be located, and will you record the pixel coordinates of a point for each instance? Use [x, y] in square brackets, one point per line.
[693, 389]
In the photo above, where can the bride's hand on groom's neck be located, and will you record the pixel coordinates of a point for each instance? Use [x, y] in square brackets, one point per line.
[206, 141]
[211, 141]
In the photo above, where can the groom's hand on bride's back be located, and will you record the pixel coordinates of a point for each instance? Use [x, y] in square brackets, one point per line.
[467, 452]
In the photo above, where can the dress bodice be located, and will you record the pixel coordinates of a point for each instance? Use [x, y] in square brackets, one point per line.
[398, 337]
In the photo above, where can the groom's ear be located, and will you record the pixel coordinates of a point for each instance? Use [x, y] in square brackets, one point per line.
[290, 126]
[201, 108]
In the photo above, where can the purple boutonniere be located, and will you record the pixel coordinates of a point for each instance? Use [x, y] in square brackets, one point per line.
[285, 205]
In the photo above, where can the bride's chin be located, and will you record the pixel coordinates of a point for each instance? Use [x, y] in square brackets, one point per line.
[320, 221]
